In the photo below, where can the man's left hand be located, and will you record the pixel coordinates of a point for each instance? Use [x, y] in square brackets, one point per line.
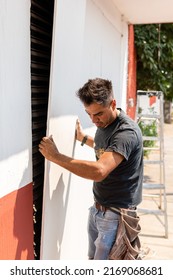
[48, 148]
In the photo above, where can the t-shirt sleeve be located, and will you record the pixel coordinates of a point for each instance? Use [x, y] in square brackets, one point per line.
[122, 143]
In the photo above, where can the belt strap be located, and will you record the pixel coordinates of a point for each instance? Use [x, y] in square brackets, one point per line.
[114, 209]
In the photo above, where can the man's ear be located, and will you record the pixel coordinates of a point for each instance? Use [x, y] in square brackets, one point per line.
[113, 104]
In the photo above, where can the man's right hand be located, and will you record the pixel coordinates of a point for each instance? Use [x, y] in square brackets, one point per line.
[79, 131]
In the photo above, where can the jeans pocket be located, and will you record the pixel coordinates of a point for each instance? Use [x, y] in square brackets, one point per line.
[111, 216]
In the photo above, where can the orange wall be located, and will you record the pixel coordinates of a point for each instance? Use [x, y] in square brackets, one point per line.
[16, 225]
[131, 83]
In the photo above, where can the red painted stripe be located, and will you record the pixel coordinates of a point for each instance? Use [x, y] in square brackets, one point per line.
[131, 83]
[16, 225]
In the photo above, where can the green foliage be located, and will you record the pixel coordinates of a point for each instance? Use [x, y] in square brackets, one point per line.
[154, 49]
[148, 129]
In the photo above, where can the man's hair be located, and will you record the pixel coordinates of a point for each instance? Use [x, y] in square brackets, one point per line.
[96, 91]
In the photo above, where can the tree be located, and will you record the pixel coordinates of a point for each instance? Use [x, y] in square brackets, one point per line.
[154, 50]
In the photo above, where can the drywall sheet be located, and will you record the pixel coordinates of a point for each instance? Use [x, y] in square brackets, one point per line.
[75, 238]
[56, 189]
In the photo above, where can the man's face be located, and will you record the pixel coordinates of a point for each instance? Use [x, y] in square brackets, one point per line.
[101, 115]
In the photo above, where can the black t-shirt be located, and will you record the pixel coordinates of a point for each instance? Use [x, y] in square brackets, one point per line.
[123, 186]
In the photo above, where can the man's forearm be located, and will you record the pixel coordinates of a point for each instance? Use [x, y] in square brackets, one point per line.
[92, 170]
[83, 168]
[89, 142]
[80, 135]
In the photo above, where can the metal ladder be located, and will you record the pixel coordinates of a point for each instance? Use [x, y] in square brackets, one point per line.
[149, 113]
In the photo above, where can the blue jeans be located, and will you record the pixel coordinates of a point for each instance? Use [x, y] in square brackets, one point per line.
[102, 229]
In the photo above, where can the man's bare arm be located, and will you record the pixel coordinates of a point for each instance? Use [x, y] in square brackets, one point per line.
[92, 170]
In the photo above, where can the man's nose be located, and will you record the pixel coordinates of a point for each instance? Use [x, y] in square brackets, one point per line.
[94, 118]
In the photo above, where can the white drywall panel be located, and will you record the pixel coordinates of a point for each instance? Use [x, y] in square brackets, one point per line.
[56, 189]
[69, 17]
[86, 44]
[75, 240]
[67, 197]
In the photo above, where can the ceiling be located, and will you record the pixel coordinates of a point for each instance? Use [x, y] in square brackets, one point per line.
[146, 11]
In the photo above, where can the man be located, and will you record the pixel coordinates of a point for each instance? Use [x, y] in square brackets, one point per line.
[118, 171]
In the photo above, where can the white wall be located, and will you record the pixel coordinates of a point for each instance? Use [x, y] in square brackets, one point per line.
[105, 48]
[15, 95]
[69, 20]
[90, 40]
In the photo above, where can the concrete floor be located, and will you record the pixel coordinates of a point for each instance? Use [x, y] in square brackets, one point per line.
[152, 234]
